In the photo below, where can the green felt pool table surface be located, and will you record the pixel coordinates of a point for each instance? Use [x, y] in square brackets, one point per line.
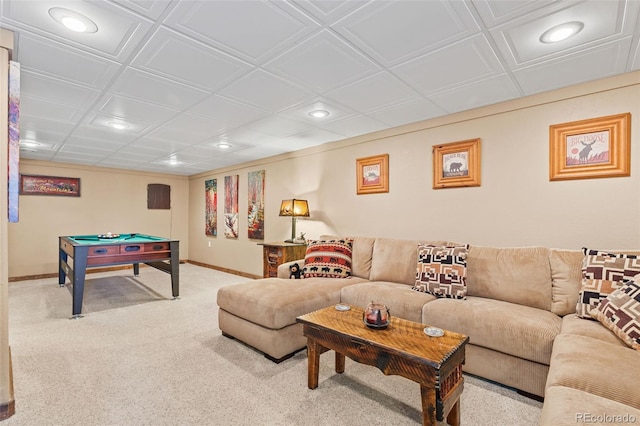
[122, 238]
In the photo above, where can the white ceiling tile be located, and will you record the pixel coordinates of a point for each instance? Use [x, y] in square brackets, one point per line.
[55, 59]
[277, 126]
[355, 126]
[225, 114]
[99, 125]
[150, 88]
[32, 127]
[329, 11]
[492, 90]
[157, 146]
[374, 92]
[49, 109]
[518, 40]
[265, 90]
[306, 139]
[409, 112]
[149, 8]
[78, 157]
[249, 29]
[322, 63]
[184, 128]
[191, 62]
[596, 63]
[85, 149]
[460, 63]
[494, 12]
[301, 112]
[97, 130]
[135, 110]
[55, 90]
[244, 136]
[392, 32]
[119, 31]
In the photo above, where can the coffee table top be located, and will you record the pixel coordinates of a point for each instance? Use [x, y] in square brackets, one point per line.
[405, 337]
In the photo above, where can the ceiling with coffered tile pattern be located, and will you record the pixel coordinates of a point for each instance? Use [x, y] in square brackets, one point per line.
[183, 77]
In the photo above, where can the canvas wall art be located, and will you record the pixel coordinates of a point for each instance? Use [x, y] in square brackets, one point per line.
[211, 207]
[231, 206]
[256, 205]
[14, 141]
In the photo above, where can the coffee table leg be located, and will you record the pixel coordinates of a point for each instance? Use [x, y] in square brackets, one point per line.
[428, 396]
[313, 355]
[454, 416]
[339, 363]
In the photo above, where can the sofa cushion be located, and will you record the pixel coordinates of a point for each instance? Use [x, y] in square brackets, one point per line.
[395, 260]
[566, 280]
[276, 302]
[620, 313]
[401, 300]
[518, 275]
[442, 270]
[505, 327]
[566, 406]
[362, 253]
[602, 273]
[573, 324]
[328, 258]
[595, 367]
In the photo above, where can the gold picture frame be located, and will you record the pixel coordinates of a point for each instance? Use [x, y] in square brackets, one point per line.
[593, 148]
[372, 174]
[456, 164]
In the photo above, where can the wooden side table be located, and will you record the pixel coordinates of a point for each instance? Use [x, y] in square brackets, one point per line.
[275, 254]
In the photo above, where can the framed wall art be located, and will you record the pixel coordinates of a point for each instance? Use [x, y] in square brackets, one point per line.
[456, 164]
[255, 211]
[49, 185]
[593, 148]
[372, 174]
[231, 206]
[211, 207]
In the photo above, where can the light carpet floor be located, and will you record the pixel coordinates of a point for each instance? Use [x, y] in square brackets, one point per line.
[139, 358]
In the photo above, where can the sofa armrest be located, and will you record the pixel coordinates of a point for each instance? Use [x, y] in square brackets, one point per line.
[283, 269]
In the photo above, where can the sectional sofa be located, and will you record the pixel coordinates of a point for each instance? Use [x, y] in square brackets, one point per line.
[518, 307]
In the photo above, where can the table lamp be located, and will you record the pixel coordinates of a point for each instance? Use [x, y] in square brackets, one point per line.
[294, 208]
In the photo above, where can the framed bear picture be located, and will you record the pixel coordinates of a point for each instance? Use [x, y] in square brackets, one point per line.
[456, 164]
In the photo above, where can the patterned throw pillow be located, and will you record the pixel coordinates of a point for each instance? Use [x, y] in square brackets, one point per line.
[620, 313]
[602, 274]
[442, 271]
[328, 258]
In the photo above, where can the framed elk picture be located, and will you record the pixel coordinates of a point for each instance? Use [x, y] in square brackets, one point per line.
[593, 148]
[456, 164]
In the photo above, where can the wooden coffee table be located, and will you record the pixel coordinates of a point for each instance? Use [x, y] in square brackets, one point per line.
[401, 349]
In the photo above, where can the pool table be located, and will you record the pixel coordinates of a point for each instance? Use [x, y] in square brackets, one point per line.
[89, 251]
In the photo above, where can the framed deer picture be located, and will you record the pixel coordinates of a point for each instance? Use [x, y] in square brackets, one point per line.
[456, 164]
[593, 148]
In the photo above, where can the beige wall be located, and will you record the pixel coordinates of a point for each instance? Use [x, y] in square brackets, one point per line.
[516, 205]
[112, 200]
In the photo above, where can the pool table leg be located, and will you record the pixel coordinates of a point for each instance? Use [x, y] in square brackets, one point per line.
[62, 275]
[79, 271]
[175, 271]
[136, 269]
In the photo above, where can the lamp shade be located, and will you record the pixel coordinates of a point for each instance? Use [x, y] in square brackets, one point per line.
[295, 208]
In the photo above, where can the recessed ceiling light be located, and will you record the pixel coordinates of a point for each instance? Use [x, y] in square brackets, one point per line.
[561, 32]
[319, 113]
[73, 20]
[224, 145]
[118, 125]
[29, 144]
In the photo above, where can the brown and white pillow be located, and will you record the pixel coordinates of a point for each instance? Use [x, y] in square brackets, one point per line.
[442, 271]
[620, 313]
[328, 258]
[602, 274]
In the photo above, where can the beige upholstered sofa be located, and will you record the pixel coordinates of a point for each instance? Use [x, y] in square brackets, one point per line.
[519, 314]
